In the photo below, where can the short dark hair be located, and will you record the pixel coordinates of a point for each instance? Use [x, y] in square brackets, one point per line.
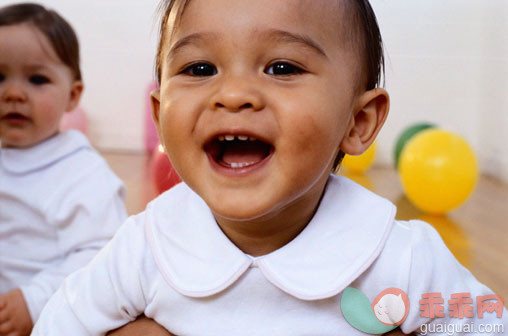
[364, 34]
[166, 7]
[59, 32]
[362, 30]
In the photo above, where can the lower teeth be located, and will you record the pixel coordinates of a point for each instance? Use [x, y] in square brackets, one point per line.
[240, 164]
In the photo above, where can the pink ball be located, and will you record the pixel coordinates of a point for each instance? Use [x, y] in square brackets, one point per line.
[163, 174]
[76, 119]
[151, 138]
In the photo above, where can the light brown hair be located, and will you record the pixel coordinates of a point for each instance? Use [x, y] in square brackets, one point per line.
[59, 32]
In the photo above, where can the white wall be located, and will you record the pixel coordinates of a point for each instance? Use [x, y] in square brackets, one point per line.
[447, 63]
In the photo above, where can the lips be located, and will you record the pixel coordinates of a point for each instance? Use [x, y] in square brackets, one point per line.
[15, 117]
[238, 152]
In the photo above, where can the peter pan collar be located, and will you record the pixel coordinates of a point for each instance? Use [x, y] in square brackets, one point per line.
[25, 160]
[343, 239]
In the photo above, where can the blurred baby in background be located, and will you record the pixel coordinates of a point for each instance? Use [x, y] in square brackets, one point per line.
[59, 200]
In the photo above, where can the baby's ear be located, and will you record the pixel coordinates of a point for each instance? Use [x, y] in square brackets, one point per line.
[369, 116]
[75, 95]
[155, 99]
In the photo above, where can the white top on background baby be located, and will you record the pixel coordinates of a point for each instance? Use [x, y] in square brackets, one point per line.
[258, 102]
[59, 201]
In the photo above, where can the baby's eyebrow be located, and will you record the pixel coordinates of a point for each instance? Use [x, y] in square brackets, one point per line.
[37, 67]
[270, 34]
[189, 39]
[285, 36]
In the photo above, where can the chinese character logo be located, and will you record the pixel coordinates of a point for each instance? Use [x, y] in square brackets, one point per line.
[485, 303]
[388, 310]
[460, 305]
[431, 305]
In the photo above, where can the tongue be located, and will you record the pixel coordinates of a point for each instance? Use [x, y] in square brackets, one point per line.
[244, 152]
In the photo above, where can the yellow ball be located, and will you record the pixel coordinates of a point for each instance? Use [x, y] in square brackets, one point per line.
[360, 163]
[438, 170]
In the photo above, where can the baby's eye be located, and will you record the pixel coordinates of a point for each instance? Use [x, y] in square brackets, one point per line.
[2, 77]
[200, 70]
[38, 79]
[283, 69]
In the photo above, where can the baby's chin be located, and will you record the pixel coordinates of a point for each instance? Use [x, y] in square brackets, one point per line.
[18, 143]
[241, 213]
[25, 139]
[244, 211]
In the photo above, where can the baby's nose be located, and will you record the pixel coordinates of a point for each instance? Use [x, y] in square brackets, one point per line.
[13, 92]
[236, 94]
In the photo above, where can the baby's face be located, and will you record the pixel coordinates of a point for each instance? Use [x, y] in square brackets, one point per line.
[35, 87]
[255, 99]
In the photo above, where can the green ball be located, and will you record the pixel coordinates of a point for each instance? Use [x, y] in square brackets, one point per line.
[408, 133]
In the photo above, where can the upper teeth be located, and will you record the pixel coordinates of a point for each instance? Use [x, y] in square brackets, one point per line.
[238, 137]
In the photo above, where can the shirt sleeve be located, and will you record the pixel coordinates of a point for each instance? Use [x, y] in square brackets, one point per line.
[442, 293]
[105, 294]
[86, 213]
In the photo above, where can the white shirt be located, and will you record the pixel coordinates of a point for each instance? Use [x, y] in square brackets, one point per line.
[59, 205]
[173, 263]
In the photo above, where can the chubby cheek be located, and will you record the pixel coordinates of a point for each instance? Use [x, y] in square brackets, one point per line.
[177, 119]
[48, 115]
[316, 133]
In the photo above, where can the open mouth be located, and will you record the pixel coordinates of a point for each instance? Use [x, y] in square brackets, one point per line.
[238, 151]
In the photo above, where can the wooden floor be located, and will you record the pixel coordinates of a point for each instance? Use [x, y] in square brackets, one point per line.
[477, 232]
